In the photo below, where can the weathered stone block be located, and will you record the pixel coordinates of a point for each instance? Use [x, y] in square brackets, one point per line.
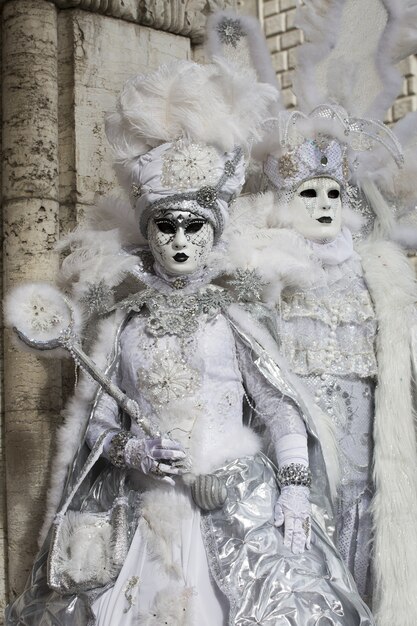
[271, 7]
[280, 61]
[291, 39]
[288, 98]
[412, 85]
[408, 67]
[288, 4]
[286, 79]
[181, 17]
[185, 18]
[403, 106]
[388, 117]
[292, 58]
[99, 71]
[274, 44]
[274, 25]
[290, 19]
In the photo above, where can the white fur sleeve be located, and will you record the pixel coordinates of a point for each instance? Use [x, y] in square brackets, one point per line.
[278, 412]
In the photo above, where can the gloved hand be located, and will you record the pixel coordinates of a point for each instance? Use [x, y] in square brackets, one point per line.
[293, 509]
[160, 456]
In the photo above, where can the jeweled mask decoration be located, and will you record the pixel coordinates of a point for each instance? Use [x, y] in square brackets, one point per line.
[187, 175]
[180, 241]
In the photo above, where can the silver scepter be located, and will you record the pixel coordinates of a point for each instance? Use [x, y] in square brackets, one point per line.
[56, 330]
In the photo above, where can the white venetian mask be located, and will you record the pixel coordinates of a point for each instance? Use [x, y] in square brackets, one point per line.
[180, 241]
[316, 209]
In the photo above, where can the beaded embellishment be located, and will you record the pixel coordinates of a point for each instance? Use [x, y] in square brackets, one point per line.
[189, 165]
[117, 448]
[176, 313]
[169, 378]
[294, 474]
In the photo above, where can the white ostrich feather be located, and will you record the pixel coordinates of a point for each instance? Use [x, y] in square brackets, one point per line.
[99, 248]
[320, 23]
[215, 104]
[364, 80]
[254, 39]
[84, 548]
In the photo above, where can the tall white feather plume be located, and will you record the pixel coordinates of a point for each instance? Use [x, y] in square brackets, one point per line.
[320, 24]
[351, 53]
[212, 104]
[249, 52]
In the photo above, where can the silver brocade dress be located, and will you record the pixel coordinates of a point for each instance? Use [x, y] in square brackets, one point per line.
[185, 567]
[192, 385]
[328, 336]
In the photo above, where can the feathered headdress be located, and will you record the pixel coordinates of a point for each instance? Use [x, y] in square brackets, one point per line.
[179, 135]
[347, 77]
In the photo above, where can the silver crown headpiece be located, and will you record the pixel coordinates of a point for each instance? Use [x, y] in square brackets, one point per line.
[324, 143]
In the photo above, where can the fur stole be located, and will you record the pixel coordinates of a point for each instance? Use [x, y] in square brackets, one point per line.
[392, 285]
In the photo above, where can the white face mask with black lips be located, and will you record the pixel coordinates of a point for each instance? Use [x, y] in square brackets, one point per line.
[316, 209]
[180, 241]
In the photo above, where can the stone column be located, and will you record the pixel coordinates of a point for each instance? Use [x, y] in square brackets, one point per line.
[3, 568]
[32, 388]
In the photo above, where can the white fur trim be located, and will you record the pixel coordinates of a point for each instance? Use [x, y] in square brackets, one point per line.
[393, 288]
[173, 605]
[39, 311]
[76, 416]
[245, 443]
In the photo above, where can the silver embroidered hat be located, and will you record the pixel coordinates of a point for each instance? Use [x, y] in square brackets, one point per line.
[187, 176]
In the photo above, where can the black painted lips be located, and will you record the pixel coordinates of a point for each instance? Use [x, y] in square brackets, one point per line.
[180, 257]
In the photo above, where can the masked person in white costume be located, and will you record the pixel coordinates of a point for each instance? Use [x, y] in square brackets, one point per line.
[342, 290]
[211, 538]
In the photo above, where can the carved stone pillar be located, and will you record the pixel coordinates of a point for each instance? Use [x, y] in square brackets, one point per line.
[32, 388]
[3, 569]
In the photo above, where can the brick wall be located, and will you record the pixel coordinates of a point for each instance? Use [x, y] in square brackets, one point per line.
[283, 39]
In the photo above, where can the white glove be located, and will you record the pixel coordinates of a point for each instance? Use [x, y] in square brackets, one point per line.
[293, 509]
[160, 456]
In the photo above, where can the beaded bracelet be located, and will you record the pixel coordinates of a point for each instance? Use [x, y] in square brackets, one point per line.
[294, 474]
[117, 448]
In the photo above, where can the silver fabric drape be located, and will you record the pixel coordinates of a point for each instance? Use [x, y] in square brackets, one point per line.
[265, 583]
